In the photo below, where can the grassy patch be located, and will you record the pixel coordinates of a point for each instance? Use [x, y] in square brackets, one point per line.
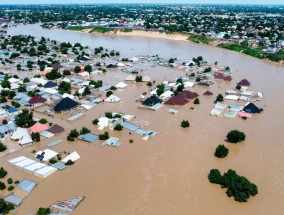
[101, 30]
[199, 39]
[75, 28]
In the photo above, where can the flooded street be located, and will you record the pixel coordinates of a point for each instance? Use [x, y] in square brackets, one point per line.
[168, 173]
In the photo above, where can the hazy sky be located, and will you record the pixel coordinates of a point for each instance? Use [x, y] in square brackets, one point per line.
[143, 1]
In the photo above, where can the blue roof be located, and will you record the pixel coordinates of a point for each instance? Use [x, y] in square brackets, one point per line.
[50, 84]
[13, 199]
[105, 87]
[54, 143]
[59, 165]
[130, 126]
[11, 109]
[89, 137]
[27, 185]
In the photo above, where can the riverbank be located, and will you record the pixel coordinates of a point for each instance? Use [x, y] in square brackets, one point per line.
[180, 37]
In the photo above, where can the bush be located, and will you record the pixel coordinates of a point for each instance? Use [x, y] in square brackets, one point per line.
[138, 78]
[104, 136]
[10, 181]
[95, 121]
[185, 124]
[52, 161]
[108, 115]
[109, 93]
[69, 162]
[3, 172]
[10, 188]
[131, 141]
[2, 147]
[118, 127]
[43, 211]
[2, 186]
[5, 207]
[220, 98]
[237, 186]
[235, 136]
[196, 101]
[84, 130]
[35, 137]
[221, 151]
[43, 121]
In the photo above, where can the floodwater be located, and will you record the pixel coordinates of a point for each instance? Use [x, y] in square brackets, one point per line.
[168, 173]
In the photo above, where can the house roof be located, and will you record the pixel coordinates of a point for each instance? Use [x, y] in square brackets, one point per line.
[65, 104]
[177, 100]
[208, 93]
[228, 78]
[36, 100]
[244, 82]
[56, 66]
[151, 101]
[188, 94]
[219, 76]
[38, 127]
[50, 84]
[251, 108]
[56, 129]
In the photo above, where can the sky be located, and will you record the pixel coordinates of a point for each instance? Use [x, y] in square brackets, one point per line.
[264, 2]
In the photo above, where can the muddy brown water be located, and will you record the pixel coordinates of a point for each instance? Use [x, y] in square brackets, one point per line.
[168, 173]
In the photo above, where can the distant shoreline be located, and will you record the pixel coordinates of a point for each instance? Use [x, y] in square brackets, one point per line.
[171, 36]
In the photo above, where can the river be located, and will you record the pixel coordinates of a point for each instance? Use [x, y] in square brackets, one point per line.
[168, 174]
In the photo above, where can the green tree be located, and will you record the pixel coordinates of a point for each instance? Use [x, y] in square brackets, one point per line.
[220, 98]
[88, 68]
[185, 124]
[64, 87]
[138, 78]
[235, 136]
[24, 119]
[84, 130]
[118, 127]
[3, 172]
[2, 186]
[43, 211]
[35, 137]
[104, 136]
[221, 151]
[109, 93]
[2, 147]
[77, 69]
[196, 101]
[86, 91]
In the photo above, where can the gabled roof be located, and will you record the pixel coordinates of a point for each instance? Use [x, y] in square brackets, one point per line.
[55, 129]
[188, 95]
[56, 66]
[65, 104]
[251, 108]
[36, 100]
[177, 100]
[151, 101]
[38, 127]
[50, 84]
[244, 82]
[208, 93]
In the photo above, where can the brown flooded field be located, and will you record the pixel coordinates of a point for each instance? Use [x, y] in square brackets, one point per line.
[168, 173]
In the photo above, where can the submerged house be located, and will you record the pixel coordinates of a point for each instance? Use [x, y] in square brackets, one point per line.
[36, 101]
[151, 101]
[252, 108]
[65, 104]
[244, 82]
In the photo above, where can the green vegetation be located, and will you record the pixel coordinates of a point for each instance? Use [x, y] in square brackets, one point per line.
[2, 147]
[196, 101]
[3, 172]
[237, 186]
[2, 185]
[221, 151]
[235, 136]
[101, 30]
[54, 74]
[109, 93]
[35, 137]
[126, 30]
[199, 39]
[75, 28]
[84, 130]
[220, 98]
[43, 211]
[138, 78]
[185, 124]
[118, 127]
[95, 121]
[72, 135]
[69, 162]
[5, 207]
[10, 188]
[104, 136]
[64, 87]
[10, 181]
[160, 89]
[24, 119]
